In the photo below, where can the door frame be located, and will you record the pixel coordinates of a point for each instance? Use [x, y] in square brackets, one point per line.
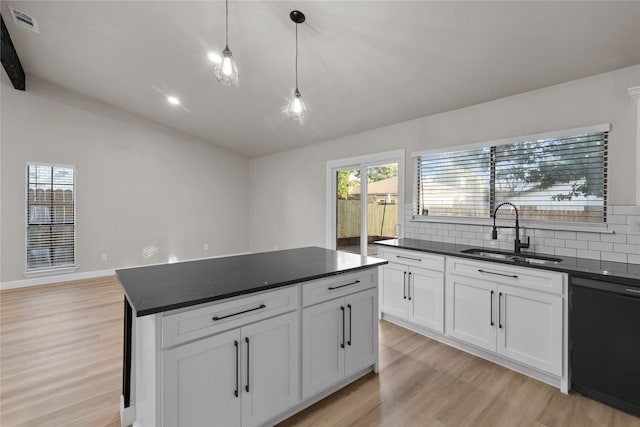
[362, 162]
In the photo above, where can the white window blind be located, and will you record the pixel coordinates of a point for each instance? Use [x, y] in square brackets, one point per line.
[455, 184]
[50, 216]
[551, 179]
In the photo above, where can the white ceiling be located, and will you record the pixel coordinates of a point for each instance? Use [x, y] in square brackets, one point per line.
[363, 64]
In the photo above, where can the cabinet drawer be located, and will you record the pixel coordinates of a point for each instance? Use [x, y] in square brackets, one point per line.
[414, 258]
[531, 278]
[338, 286]
[226, 314]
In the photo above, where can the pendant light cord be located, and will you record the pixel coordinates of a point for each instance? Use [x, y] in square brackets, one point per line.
[226, 27]
[296, 57]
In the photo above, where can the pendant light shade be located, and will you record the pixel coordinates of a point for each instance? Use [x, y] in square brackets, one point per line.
[296, 108]
[227, 70]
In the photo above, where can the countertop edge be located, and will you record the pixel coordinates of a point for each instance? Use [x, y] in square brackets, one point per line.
[578, 272]
[270, 286]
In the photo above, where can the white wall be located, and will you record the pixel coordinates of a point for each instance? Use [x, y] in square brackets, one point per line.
[139, 184]
[288, 189]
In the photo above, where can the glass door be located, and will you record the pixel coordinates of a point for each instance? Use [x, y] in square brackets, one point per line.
[348, 210]
[382, 204]
[365, 201]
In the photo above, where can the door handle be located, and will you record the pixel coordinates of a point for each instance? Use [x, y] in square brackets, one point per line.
[409, 258]
[342, 286]
[246, 387]
[343, 328]
[350, 330]
[500, 310]
[409, 287]
[514, 276]
[261, 306]
[235, 343]
[491, 308]
[404, 285]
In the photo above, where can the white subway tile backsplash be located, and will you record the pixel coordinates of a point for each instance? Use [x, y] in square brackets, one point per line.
[622, 244]
[559, 243]
[566, 252]
[633, 259]
[545, 249]
[567, 235]
[588, 254]
[577, 244]
[613, 256]
[619, 228]
[599, 246]
[506, 246]
[544, 233]
[633, 239]
[629, 249]
[592, 237]
[614, 238]
[491, 244]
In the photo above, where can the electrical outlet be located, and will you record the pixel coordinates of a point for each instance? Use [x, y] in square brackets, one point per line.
[103, 257]
[206, 247]
[634, 226]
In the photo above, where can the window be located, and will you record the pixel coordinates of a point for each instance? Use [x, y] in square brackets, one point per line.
[561, 177]
[50, 216]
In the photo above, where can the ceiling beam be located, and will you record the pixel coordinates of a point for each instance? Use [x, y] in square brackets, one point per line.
[10, 60]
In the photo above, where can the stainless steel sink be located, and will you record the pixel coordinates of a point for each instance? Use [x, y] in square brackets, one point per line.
[523, 258]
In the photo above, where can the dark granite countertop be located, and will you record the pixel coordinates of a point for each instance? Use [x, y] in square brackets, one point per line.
[578, 267]
[164, 287]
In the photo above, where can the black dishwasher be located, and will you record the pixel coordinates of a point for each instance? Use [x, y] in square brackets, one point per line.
[604, 336]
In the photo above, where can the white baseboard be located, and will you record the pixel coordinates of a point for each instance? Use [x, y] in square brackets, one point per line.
[46, 280]
[55, 278]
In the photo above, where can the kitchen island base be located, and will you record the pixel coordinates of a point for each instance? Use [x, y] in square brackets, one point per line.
[253, 359]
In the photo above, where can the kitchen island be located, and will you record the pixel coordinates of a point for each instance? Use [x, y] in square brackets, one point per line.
[245, 340]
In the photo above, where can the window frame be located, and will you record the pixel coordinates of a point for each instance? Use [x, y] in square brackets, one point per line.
[543, 224]
[53, 269]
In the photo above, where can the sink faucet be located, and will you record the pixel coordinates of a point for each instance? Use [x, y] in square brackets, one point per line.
[494, 234]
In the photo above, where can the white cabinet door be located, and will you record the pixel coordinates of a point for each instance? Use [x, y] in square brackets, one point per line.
[470, 313]
[362, 331]
[199, 382]
[393, 293]
[426, 293]
[270, 377]
[530, 328]
[323, 343]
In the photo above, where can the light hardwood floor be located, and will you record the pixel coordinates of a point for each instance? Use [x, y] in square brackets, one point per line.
[61, 354]
[61, 350]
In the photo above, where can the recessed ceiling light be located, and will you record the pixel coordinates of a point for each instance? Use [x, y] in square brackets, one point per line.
[214, 57]
[173, 100]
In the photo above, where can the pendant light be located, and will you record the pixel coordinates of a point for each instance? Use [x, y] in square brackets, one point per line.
[296, 109]
[227, 71]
